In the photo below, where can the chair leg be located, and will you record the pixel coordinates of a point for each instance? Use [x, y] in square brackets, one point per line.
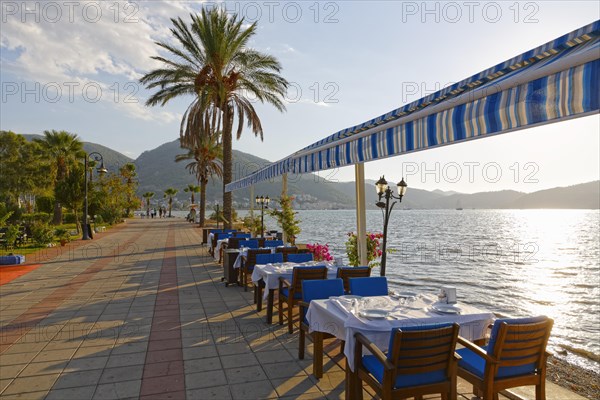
[290, 312]
[301, 344]
[280, 310]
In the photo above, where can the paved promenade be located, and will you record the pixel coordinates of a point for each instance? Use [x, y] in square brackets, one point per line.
[140, 312]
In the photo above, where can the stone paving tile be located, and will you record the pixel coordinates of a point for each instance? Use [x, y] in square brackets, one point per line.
[87, 363]
[74, 393]
[26, 396]
[203, 364]
[205, 379]
[245, 374]
[217, 393]
[80, 378]
[43, 368]
[253, 391]
[119, 374]
[31, 384]
[11, 371]
[122, 360]
[239, 360]
[118, 390]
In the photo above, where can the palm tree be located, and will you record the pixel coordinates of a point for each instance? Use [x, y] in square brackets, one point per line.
[192, 189]
[148, 196]
[214, 64]
[128, 173]
[64, 149]
[170, 192]
[205, 156]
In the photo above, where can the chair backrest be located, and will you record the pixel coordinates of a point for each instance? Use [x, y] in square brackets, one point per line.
[286, 251]
[273, 243]
[307, 273]
[371, 286]
[216, 231]
[234, 243]
[519, 345]
[269, 258]
[232, 231]
[300, 258]
[320, 289]
[242, 235]
[250, 243]
[218, 236]
[424, 349]
[251, 257]
[352, 272]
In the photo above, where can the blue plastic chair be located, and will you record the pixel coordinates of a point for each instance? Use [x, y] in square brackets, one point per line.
[250, 243]
[262, 259]
[273, 243]
[371, 286]
[515, 356]
[420, 360]
[315, 290]
[291, 292]
[300, 257]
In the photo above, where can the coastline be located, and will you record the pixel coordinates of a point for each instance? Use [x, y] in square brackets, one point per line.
[574, 378]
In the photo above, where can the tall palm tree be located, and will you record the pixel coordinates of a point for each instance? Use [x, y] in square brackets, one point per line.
[64, 149]
[214, 64]
[148, 196]
[205, 157]
[129, 173]
[170, 192]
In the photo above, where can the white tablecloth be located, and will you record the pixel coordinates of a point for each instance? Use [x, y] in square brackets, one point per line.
[270, 273]
[210, 239]
[219, 245]
[339, 318]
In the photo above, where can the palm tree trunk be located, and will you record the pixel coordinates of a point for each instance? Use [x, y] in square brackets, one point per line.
[227, 161]
[202, 210]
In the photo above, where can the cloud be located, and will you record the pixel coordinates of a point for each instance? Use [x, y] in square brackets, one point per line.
[87, 41]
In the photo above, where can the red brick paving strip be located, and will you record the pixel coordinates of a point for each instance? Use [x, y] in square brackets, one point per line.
[8, 274]
[38, 312]
[163, 371]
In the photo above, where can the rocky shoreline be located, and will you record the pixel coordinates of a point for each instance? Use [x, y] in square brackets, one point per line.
[579, 380]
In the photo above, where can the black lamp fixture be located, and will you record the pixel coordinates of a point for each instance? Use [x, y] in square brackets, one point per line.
[384, 191]
[97, 157]
[263, 202]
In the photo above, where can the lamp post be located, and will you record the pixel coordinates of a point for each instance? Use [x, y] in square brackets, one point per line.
[383, 190]
[264, 203]
[97, 157]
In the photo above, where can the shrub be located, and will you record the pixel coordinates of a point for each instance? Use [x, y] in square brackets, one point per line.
[42, 234]
[11, 235]
[44, 204]
[373, 248]
[42, 217]
[70, 218]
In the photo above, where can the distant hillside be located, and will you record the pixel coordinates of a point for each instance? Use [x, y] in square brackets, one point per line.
[157, 171]
[113, 160]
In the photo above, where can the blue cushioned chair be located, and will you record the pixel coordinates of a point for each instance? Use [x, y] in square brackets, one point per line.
[300, 257]
[291, 292]
[250, 243]
[315, 290]
[269, 258]
[420, 360]
[248, 263]
[273, 243]
[515, 356]
[371, 286]
[243, 235]
[352, 272]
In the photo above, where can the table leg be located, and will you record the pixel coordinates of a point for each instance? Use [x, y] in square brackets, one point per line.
[258, 290]
[270, 300]
[317, 354]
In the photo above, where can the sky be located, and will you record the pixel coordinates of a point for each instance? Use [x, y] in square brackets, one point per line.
[75, 66]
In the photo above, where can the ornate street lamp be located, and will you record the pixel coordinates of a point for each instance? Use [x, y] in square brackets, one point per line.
[263, 202]
[97, 157]
[383, 190]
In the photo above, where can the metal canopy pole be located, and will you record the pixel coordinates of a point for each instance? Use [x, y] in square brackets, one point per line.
[284, 188]
[361, 215]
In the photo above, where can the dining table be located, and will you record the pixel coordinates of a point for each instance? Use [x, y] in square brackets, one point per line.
[376, 316]
[266, 280]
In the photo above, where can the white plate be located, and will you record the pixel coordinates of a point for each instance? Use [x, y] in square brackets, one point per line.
[374, 314]
[446, 308]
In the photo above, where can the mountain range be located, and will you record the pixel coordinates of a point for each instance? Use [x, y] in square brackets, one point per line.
[157, 171]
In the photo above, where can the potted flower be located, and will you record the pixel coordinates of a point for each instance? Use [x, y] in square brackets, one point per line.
[320, 252]
[63, 236]
[373, 248]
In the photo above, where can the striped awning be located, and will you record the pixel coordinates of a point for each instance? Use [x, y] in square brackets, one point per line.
[553, 82]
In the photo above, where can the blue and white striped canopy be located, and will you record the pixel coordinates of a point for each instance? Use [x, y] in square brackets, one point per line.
[553, 82]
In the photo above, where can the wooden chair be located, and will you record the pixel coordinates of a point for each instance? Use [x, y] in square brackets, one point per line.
[314, 290]
[515, 356]
[300, 257]
[421, 360]
[291, 292]
[345, 273]
[234, 242]
[248, 264]
[287, 250]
